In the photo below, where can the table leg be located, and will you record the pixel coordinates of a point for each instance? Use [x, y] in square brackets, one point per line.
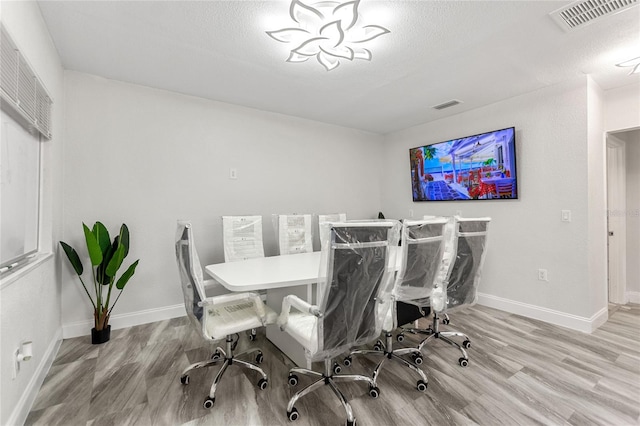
[280, 339]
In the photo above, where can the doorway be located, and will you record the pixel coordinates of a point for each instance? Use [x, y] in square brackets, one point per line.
[623, 229]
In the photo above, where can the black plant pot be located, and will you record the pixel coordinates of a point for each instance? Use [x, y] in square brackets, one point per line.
[100, 336]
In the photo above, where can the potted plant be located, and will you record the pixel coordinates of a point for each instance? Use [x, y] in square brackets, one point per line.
[106, 259]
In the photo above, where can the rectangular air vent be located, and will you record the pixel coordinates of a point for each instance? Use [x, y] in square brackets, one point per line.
[447, 104]
[582, 12]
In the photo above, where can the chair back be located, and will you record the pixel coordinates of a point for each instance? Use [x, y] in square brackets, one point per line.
[470, 240]
[242, 237]
[354, 288]
[294, 233]
[421, 258]
[325, 218]
[190, 271]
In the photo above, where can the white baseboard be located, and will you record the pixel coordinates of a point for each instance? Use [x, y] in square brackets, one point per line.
[563, 319]
[21, 410]
[83, 328]
[633, 297]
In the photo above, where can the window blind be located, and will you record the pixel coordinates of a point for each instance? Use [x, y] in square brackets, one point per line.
[23, 94]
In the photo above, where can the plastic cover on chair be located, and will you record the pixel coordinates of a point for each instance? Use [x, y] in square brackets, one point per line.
[354, 286]
[325, 218]
[470, 241]
[294, 233]
[421, 258]
[242, 237]
[215, 316]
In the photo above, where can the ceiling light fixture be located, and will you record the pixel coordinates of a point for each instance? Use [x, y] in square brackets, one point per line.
[330, 31]
[635, 63]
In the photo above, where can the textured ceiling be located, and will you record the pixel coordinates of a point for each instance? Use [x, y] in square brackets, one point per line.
[479, 52]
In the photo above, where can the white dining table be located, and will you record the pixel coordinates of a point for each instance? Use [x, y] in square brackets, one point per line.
[279, 276]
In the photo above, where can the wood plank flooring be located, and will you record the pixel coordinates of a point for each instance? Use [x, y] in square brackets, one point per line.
[521, 372]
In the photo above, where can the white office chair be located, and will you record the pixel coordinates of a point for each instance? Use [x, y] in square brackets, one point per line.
[242, 237]
[325, 218]
[294, 233]
[219, 317]
[421, 257]
[354, 294]
[457, 284]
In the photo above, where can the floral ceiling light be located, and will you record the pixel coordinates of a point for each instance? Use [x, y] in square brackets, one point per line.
[635, 63]
[330, 31]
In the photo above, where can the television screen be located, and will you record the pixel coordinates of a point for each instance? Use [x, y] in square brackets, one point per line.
[479, 167]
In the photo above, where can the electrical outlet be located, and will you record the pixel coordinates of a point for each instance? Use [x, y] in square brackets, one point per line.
[542, 275]
[233, 173]
[566, 215]
[410, 212]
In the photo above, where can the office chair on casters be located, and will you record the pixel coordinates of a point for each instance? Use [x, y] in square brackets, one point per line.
[219, 317]
[457, 284]
[421, 256]
[354, 295]
[242, 239]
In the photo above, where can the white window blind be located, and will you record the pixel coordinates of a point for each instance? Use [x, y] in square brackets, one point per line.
[23, 95]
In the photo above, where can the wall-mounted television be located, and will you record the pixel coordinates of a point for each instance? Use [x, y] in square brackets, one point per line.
[478, 167]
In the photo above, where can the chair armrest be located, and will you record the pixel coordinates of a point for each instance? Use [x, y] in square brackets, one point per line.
[232, 297]
[294, 301]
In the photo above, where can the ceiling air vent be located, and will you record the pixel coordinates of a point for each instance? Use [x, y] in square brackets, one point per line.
[582, 12]
[447, 104]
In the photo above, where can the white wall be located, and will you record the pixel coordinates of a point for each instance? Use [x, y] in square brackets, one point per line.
[622, 108]
[148, 157]
[30, 299]
[552, 143]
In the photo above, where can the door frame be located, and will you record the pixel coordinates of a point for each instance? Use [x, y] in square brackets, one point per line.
[616, 220]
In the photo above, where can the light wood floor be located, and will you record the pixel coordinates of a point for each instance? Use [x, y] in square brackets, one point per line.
[521, 372]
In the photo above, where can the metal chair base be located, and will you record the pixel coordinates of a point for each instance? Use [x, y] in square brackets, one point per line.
[328, 378]
[433, 332]
[227, 358]
[387, 352]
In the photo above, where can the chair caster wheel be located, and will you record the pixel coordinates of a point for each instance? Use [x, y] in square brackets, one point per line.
[417, 359]
[445, 321]
[463, 362]
[293, 415]
[336, 368]
[421, 386]
[184, 379]
[347, 361]
[293, 380]
[374, 392]
[353, 423]
[259, 358]
[252, 337]
[466, 344]
[400, 337]
[262, 384]
[216, 356]
[208, 403]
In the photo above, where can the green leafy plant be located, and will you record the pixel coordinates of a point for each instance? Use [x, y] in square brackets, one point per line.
[106, 259]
